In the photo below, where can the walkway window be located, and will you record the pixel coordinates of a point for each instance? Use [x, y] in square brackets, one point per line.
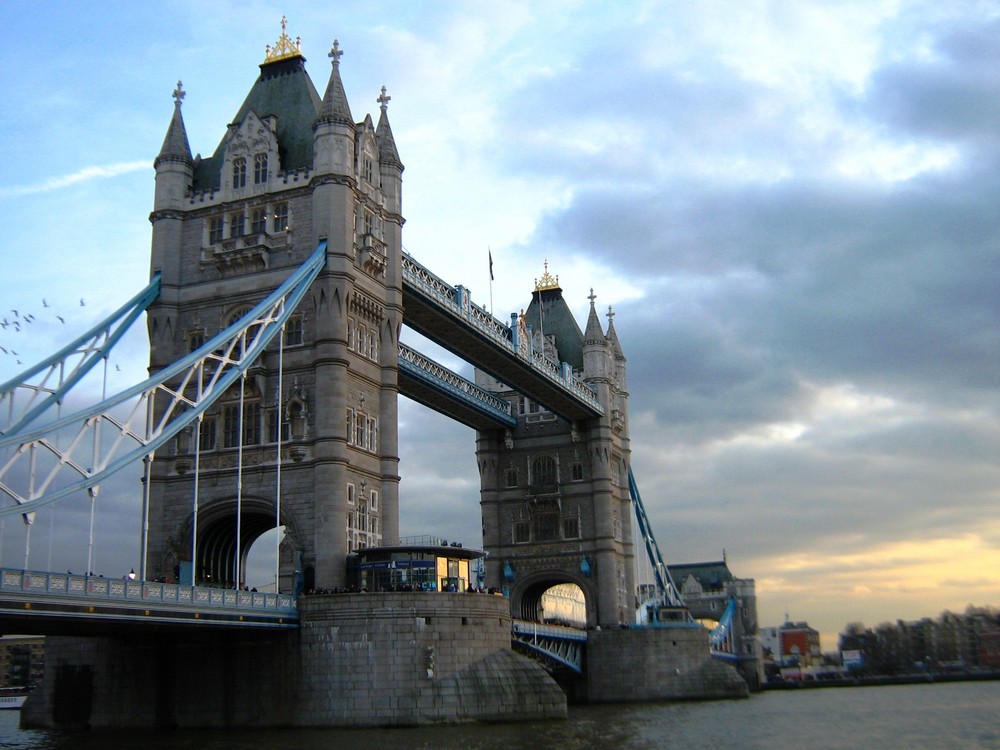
[260, 169]
[239, 173]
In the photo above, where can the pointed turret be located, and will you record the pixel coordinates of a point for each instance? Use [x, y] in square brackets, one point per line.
[594, 333]
[175, 144]
[335, 108]
[334, 129]
[387, 153]
[616, 350]
[597, 366]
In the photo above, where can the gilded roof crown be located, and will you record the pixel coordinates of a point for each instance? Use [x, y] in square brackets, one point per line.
[546, 282]
[284, 47]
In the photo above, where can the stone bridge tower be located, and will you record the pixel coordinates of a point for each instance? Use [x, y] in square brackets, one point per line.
[292, 169]
[554, 493]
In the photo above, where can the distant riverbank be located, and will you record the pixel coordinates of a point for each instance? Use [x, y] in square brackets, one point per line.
[885, 679]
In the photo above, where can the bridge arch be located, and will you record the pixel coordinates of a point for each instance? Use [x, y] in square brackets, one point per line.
[215, 557]
[526, 596]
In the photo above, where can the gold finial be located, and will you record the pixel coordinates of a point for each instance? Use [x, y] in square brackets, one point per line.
[284, 47]
[546, 282]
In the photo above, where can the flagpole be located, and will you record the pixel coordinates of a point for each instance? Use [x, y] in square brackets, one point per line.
[490, 253]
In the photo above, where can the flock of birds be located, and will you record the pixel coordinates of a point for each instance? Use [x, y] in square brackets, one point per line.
[16, 322]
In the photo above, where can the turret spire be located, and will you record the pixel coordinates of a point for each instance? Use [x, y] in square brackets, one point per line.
[175, 144]
[335, 108]
[594, 334]
[387, 153]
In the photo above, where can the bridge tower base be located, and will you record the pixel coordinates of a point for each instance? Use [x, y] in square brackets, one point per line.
[399, 659]
[635, 665]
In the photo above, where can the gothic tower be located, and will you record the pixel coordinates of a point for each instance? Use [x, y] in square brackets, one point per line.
[554, 493]
[291, 170]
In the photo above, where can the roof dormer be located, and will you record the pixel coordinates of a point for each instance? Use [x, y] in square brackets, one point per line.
[250, 158]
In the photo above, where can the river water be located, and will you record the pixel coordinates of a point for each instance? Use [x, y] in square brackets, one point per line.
[952, 716]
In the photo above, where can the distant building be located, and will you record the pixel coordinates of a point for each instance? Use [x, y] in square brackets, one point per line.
[22, 660]
[799, 645]
[951, 643]
[706, 589]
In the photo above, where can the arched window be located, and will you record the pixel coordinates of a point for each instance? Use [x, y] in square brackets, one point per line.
[260, 169]
[258, 221]
[239, 173]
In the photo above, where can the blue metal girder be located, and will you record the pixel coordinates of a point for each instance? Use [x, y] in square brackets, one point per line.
[92, 347]
[494, 411]
[562, 645]
[189, 387]
[664, 583]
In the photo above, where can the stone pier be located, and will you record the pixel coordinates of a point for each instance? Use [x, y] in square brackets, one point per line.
[357, 660]
[657, 664]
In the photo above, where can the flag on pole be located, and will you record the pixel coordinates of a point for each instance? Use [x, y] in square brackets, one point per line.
[491, 263]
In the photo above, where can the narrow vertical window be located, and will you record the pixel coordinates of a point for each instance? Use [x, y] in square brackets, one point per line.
[215, 226]
[258, 222]
[206, 435]
[280, 218]
[350, 426]
[251, 423]
[293, 331]
[230, 426]
[260, 169]
[239, 173]
[237, 225]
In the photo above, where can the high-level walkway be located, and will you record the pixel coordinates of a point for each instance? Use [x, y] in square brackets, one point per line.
[446, 315]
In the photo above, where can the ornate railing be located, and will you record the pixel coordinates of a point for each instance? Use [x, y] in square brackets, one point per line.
[451, 379]
[458, 302]
[62, 585]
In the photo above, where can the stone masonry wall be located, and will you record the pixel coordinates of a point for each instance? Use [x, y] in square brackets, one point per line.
[357, 660]
[647, 664]
[416, 658]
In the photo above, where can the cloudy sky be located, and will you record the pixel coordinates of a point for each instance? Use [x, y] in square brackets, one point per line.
[791, 206]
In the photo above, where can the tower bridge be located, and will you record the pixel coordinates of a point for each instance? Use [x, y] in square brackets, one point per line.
[276, 364]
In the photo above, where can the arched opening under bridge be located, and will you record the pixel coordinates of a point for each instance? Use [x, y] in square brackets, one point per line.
[554, 602]
[266, 551]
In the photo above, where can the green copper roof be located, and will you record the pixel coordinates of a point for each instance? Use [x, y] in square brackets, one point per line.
[549, 313]
[284, 90]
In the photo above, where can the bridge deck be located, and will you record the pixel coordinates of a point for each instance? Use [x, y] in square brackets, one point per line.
[473, 334]
[61, 603]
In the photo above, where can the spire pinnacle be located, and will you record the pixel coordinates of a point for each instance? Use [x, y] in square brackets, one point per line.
[284, 47]
[179, 94]
[335, 53]
[547, 281]
[383, 100]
